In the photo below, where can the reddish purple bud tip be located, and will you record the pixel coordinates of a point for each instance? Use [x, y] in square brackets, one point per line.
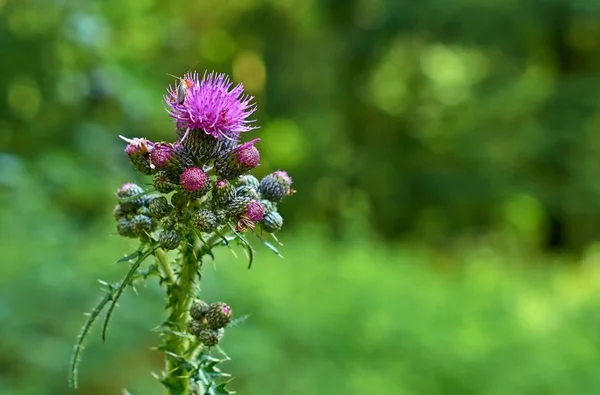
[221, 183]
[248, 155]
[255, 211]
[161, 155]
[194, 179]
[283, 175]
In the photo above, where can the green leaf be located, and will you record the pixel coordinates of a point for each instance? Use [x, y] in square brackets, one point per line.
[119, 290]
[270, 246]
[246, 245]
[87, 326]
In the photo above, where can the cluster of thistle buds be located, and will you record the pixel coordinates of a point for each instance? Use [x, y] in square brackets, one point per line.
[208, 322]
[201, 178]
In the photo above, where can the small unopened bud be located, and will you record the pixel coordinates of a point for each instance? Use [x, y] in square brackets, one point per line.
[276, 186]
[218, 315]
[272, 222]
[199, 309]
[222, 216]
[138, 151]
[196, 327]
[126, 197]
[250, 180]
[247, 190]
[125, 228]
[195, 182]
[243, 158]
[169, 239]
[254, 211]
[210, 337]
[223, 193]
[159, 207]
[170, 157]
[118, 212]
[168, 222]
[268, 205]
[238, 205]
[141, 224]
[205, 221]
[163, 183]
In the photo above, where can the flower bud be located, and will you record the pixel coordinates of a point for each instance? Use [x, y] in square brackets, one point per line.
[276, 186]
[268, 205]
[195, 182]
[218, 315]
[138, 151]
[168, 222]
[118, 212]
[247, 190]
[172, 158]
[243, 158]
[196, 327]
[250, 180]
[272, 222]
[254, 211]
[238, 205]
[159, 207]
[223, 193]
[199, 309]
[162, 182]
[141, 224]
[205, 221]
[169, 239]
[125, 228]
[210, 337]
[125, 196]
[222, 216]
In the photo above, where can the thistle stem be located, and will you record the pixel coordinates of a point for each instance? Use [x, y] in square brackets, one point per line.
[165, 267]
[181, 295]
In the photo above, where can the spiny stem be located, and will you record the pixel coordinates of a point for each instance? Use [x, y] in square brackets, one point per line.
[181, 295]
[165, 267]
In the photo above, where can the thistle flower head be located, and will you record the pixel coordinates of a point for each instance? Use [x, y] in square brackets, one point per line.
[276, 186]
[255, 211]
[212, 105]
[241, 159]
[248, 155]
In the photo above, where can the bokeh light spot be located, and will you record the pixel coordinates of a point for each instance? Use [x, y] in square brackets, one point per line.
[24, 97]
[249, 68]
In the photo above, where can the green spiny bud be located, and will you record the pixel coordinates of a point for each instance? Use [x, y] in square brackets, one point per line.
[268, 205]
[272, 222]
[250, 180]
[138, 151]
[199, 309]
[204, 220]
[141, 224]
[241, 159]
[218, 315]
[222, 216]
[276, 186]
[162, 182]
[238, 205]
[169, 239]
[247, 191]
[169, 222]
[118, 212]
[210, 337]
[125, 228]
[203, 147]
[159, 207]
[125, 196]
[196, 327]
[223, 193]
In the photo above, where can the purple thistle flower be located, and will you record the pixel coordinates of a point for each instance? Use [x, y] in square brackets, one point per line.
[248, 155]
[255, 211]
[211, 105]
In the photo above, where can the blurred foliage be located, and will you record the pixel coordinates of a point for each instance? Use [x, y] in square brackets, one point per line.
[439, 148]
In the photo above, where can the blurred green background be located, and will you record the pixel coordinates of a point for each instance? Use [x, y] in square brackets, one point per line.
[444, 237]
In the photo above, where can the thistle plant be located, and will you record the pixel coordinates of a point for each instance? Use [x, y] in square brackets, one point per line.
[201, 197]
